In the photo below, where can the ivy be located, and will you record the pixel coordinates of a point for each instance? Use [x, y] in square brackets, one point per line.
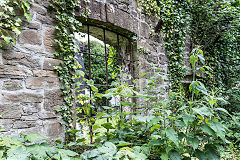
[67, 25]
[11, 19]
[173, 27]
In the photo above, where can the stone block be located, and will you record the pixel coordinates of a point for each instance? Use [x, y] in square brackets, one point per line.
[44, 73]
[124, 20]
[45, 19]
[21, 97]
[12, 85]
[6, 124]
[10, 111]
[144, 30]
[38, 8]
[49, 63]
[42, 82]
[124, 1]
[32, 117]
[44, 3]
[16, 58]
[95, 8]
[53, 99]
[32, 37]
[20, 125]
[30, 108]
[47, 115]
[9, 71]
[48, 39]
[53, 128]
[110, 13]
[34, 25]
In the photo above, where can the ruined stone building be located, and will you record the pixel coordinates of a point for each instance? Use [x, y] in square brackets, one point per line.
[29, 87]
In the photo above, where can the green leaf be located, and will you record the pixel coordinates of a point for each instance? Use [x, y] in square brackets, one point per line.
[107, 125]
[7, 39]
[28, 16]
[223, 110]
[203, 111]
[17, 30]
[218, 128]
[200, 155]
[164, 156]
[205, 128]
[123, 143]
[94, 89]
[193, 141]
[172, 135]
[211, 152]
[188, 118]
[36, 138]
[174, 155]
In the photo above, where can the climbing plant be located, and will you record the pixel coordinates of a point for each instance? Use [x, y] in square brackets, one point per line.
[212, 25]
[67, 25]
[12, 14]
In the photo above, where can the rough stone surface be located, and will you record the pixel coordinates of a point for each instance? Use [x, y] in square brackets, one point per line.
[9, 71]
[16, 58]
[42, 82]
[12, 85]
[10, 111]
[15, 97]
[53, 99]
[49, 36]
[49, 63]
[29, 87]
[31, 37]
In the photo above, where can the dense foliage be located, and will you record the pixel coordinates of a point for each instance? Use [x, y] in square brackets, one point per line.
[32, 147]
[178, 127]
[213, 26]
[11, 18]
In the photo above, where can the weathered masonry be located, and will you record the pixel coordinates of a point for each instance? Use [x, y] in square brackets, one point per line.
[29, 87]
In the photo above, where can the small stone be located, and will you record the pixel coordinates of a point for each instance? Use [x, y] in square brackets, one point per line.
[53, 128]
[95, 8]
[53, 99]
[145, 29]
[49, 36]
[110, 13]
[8, 71]
[45, 19]
[14, 97]
[39, 9]
[10, 111]
[6, 124]
[32, 37]
[12, 85]
[49, 63]
[47, 115]
[34, 25]
[33, 117]
[20, 125]
[44, 73]
[16, 58]
[30, 108]
[42, 82]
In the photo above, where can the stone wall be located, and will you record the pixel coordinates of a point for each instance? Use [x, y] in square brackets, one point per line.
[29, 87]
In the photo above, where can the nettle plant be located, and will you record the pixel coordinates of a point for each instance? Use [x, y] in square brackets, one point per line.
[173, 128]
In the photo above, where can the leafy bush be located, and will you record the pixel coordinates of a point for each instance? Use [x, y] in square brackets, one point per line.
[162, 128]
[33, 147]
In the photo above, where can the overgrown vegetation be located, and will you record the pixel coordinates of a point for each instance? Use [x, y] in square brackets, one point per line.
[11, 18]
[177, 127]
